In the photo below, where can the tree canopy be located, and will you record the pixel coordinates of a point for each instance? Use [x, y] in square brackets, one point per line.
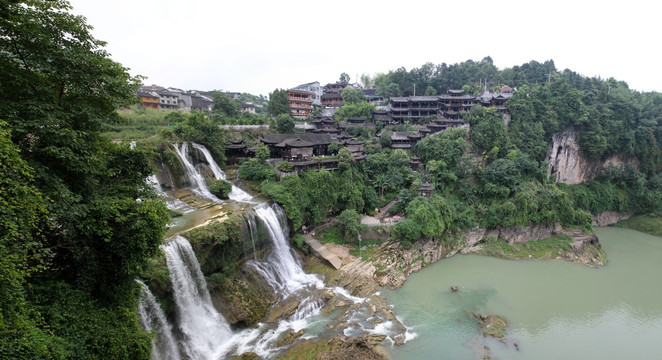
[58, 90]
[278, 103]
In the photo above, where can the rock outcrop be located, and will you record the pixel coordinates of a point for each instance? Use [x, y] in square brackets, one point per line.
[567, 162]
[243, 300]
[363, 347]
[610, 218]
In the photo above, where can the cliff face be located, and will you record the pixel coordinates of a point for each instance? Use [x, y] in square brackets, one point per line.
[567, 163]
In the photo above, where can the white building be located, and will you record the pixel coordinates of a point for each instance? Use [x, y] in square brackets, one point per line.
[315, 88]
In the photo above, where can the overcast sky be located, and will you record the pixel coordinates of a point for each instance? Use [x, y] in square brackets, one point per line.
[258, 45]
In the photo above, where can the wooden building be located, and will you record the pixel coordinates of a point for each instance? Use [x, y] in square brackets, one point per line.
[403, 139]
[236, 149]
[150, 99]
[297, 146]
[301, 102]
[426, 189]
[332, 100]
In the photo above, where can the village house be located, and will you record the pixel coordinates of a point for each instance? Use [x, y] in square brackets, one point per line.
[315, 88]
[301, 102]
[402, 139]
[150, 99]
[297, 146]
[372, 98]
[248, 107]
[236, 149]
[168, 100]
[332, 100]
[448, 106]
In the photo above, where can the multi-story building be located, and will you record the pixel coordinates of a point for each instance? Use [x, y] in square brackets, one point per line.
[449, 106]
[301, 102]
[168, 100]
[315, 88]
[150, 99]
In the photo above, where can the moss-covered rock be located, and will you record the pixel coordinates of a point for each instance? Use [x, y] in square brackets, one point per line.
[362, 347]
[244, 299]
[492, 325]
[157, 277]
[218, 246]
[221, 188]
[239, 293]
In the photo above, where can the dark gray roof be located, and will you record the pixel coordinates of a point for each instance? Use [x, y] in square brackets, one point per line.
[296, 143]
[424, 98]
[315, 139]
[426, 186]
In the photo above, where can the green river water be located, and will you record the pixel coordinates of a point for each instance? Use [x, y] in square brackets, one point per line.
[555, 309]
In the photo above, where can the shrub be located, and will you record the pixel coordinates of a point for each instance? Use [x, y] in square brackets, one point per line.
[221, 188]
[285, 166]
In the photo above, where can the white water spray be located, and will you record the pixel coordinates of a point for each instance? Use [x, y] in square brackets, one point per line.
[152, 318]
[196, 180]
[203, 328]
[281, 269]
[236, 194]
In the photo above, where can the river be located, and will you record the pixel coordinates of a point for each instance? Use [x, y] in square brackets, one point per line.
[555, 309]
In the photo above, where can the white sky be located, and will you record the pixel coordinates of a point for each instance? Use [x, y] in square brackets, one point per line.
[257, 46]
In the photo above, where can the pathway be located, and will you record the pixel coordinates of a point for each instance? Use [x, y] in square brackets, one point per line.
[321, 251]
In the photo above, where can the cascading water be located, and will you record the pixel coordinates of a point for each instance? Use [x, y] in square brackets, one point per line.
[204, 330]
[281, 269]
[152, 318]
[196, 180]
[250, 233]
[171, 203]
[236, 194]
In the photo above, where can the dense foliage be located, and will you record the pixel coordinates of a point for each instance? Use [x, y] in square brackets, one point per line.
[494, 174]
[74, 237]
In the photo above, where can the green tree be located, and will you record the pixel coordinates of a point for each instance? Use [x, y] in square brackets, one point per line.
[407, 232]
[361, 109]
[262, 152]
[221, 188]
[388, 89]
[285, 166]
[350, 223]
[58, 89]
[278, 102]
[345, 159]
[430, 91]
[225, 105]
[385, 140]
[367, 81]
[344, 79]
[352, 96]
[334, 147]
[284, 124]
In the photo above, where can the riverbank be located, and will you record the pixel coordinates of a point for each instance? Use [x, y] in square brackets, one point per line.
[649, 224]
[390, 263]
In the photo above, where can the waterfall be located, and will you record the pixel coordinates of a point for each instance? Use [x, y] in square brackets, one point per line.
[152, 318]
[203, 328]
[250, 233]
[196, 180]
[171, 203]
[282, 270]
[236, 194]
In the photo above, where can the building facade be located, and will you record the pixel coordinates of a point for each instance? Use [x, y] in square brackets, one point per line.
[301, 102]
